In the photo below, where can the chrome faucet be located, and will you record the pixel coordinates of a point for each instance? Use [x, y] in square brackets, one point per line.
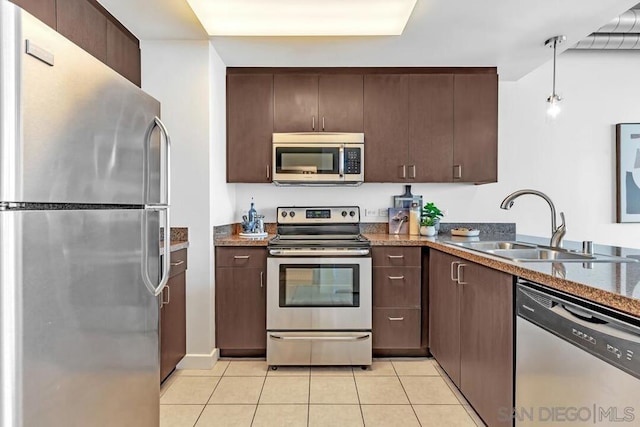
[557, 233]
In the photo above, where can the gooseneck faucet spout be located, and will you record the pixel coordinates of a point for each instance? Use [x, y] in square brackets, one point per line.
[557, 233]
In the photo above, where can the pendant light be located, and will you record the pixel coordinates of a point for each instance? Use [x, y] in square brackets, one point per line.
[554, 99]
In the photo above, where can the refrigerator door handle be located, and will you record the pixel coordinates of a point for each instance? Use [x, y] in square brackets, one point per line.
[166, 251]
[167, 162]
[167, 159]
[166, 264]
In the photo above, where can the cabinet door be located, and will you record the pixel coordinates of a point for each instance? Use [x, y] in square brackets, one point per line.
[444, 314]
[249, 127]
[340, 103]
[295, 103]
[44, 10]
[241, 309]
[431, 127]
[486, 341]
[123, 53]
[83, 24]
[475, 128]
[173, 338]
[386, 122]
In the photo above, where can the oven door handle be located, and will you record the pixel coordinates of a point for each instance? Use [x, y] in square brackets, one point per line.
[318, 253]
[311, 338]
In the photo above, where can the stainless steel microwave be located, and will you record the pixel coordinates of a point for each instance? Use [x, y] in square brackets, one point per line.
[318, 158]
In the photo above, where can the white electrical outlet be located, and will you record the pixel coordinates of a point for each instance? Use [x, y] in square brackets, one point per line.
[370, 212]
[383, 212]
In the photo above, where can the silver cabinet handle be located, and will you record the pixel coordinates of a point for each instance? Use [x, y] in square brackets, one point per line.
[412, 171]
[396, 319]
[262, 279]
[455, 279]
[168, 293]
[395, 256]
[313, 122]
[241, 256]
[341, 161]
[457, 171]
[403, 174]
[268, 171]
[460, 270]
[175, 264]
[311, 338]
[396, 277]
[322, 123]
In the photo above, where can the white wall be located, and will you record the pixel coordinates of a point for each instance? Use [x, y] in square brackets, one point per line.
[572, 159]
[177, 73]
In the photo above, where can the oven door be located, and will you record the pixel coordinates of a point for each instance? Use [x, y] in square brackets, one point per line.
[319, 293]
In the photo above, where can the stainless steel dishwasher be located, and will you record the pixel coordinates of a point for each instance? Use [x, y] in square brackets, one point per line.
[576, 363]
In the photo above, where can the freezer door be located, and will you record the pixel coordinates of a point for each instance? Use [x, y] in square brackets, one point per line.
[79, 328]
[73, 130]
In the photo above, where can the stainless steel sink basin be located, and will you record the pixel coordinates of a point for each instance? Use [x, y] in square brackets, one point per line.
[541, 255]
[529, 252]
[487, 246]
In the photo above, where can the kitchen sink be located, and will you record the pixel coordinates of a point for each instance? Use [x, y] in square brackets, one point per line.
[529, 252]
[486, 246]
[541, 255]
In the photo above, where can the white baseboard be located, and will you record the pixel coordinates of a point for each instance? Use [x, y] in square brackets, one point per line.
[199, 361]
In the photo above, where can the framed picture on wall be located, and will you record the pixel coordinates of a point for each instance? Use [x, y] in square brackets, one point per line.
[628, 172]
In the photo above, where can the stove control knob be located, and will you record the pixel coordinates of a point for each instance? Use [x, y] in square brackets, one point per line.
[292, 214]
[352, 213]
[284, 214]
[344, 213]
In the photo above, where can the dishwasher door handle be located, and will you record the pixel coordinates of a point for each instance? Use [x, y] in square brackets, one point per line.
[604, 328]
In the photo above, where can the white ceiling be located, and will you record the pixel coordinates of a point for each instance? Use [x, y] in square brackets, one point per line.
[509, 34]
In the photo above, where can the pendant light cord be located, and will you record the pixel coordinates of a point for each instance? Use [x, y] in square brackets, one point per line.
[553, 94]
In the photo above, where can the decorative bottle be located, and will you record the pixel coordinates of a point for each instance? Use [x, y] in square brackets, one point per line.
[252, 213]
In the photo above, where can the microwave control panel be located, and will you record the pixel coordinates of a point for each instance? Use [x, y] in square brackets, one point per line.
[352, 160]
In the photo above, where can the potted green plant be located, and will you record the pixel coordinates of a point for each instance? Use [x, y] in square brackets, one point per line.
[428, 226]
[430, 212]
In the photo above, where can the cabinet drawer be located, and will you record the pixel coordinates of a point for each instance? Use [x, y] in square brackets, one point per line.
[241, 257]
[396, 256]
[396, 287]
[395, 328]
[178, 262]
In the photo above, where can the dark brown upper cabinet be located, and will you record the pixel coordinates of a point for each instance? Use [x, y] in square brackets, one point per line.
[430, 128]
[44, 10]
[249, 127]
[409, 128]
[318, 103]
[386, 127]
[94, 29]
[83, 24]
[123, 53]
[475, 130]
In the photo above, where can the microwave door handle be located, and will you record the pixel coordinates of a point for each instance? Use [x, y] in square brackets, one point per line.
[341, 161]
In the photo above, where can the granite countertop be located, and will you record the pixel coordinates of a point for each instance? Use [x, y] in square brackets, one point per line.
[176, 245]
[236, 240]
[615, 285]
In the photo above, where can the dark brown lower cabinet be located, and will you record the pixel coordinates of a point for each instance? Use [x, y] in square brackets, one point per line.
[241, 328]
[474, 347]
[396, 328]
[173, 319]
[398, 302]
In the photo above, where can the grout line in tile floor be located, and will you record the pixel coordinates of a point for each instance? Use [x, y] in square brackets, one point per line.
[309, 375]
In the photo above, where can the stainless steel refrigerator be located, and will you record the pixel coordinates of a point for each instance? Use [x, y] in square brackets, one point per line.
[83, 196]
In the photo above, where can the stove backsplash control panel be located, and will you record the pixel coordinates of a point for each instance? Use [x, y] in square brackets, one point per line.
[319, 215]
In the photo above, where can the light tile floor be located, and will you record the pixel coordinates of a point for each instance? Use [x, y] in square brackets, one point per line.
[394, 392]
